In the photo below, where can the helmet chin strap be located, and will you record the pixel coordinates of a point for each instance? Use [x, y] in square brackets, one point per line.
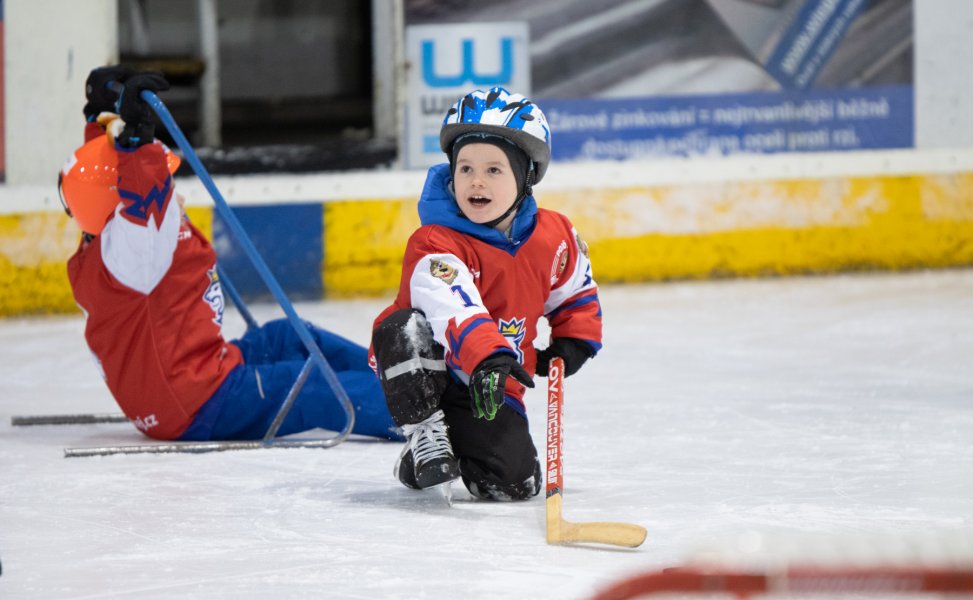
[528, 190]
[513, 208]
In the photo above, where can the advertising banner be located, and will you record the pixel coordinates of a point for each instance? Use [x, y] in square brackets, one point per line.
[792, 39]
[448, 61]
[675, 78]
[713, 125]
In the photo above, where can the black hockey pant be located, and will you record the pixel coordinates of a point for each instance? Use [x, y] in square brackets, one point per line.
[497, 458]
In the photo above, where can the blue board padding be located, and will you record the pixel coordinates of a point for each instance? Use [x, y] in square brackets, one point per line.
[289, 237]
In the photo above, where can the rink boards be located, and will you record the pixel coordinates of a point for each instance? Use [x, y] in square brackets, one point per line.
[344, 235]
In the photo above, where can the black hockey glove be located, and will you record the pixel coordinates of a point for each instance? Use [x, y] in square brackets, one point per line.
[100, 98]
[488, 380]
[574, 352]
[138, 116]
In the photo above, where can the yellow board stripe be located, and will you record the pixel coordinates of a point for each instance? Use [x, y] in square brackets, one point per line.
[364, 242]
[34, 249]
[636, 234]
[700, 231]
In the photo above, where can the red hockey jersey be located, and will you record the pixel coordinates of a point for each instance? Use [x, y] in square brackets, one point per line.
[483, 292]
[152, 301]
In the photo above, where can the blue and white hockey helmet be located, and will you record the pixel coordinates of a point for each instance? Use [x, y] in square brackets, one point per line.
[501, 113]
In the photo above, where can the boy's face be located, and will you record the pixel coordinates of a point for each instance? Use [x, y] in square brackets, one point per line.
[484, 184]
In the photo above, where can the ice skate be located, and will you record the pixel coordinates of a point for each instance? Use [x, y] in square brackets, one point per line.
[405, 471]
[427, 459]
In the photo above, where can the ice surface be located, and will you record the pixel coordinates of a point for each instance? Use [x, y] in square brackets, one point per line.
[830, 406]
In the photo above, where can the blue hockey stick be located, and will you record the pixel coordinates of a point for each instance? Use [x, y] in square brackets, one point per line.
[316, 357]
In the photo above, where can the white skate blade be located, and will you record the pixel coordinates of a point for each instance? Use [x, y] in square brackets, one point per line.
[446, 490]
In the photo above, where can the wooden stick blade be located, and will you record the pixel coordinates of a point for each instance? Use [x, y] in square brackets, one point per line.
[560, 531]
[627, 535]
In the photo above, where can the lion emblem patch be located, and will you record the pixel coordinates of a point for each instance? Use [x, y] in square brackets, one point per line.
[442, 270]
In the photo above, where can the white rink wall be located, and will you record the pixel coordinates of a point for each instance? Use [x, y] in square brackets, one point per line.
[744, 215]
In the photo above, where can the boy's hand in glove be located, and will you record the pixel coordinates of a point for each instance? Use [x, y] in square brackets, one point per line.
[100, 98]
[488, 380]
[137, 114]
[573, 351]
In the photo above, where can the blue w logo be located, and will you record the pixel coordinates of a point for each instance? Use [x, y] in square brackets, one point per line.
[468, 74]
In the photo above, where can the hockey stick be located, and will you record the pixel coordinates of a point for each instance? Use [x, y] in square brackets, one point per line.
[560, 531]
[80, 419]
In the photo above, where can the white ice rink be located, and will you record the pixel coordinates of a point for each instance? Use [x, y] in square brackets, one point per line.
[828, 405]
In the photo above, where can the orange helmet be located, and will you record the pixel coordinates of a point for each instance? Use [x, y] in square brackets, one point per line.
[88, 183]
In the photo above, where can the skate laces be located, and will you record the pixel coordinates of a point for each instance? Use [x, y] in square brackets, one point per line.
[428, 439]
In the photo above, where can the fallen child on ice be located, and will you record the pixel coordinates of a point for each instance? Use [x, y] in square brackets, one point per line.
[147, 283]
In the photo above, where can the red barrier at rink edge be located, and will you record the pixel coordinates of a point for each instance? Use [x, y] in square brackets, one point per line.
[881, 581]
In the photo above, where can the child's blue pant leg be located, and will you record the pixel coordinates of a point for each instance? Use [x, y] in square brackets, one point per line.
[250, 397]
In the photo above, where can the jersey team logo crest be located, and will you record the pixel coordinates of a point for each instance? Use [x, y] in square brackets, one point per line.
[442, 270]
[514, 330]
[214, 296]
[560, 262]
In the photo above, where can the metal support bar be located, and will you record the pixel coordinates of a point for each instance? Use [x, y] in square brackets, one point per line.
[174, 447]
[387, 28]
[288, 402]
[258, 262]
[194, 447]
[86, 419]
[140, 27]
[210, 113]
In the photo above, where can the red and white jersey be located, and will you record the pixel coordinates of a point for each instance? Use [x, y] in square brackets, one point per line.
[152, 301]
[481, 297]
